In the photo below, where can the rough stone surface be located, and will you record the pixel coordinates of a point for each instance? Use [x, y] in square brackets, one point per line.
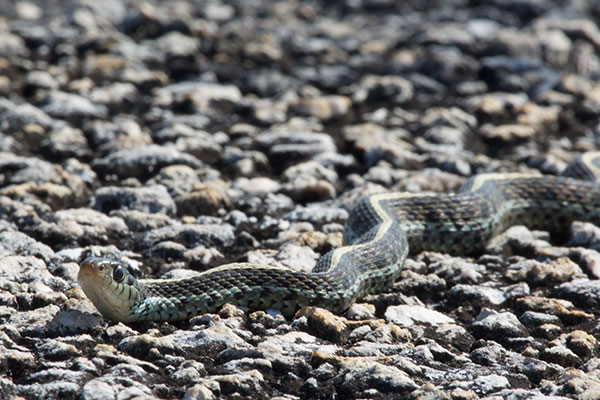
[180, 136]
[150, 199]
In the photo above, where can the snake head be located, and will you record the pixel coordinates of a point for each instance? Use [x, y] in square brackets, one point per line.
[110, 287]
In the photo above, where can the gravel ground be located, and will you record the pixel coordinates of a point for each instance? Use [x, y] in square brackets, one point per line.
[181, 135]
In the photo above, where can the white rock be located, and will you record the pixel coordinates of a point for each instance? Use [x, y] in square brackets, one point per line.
[409, 315]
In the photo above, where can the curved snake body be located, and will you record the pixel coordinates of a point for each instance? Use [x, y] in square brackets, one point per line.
[378, 235]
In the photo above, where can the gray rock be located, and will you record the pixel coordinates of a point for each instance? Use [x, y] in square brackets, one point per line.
[83, 364]
[264, 82]
[374, 144]
[187, 375]
[536, 370]
[480, 295]
[80, 170]
[257, 186]
[260, 321]
[411, 283]
[584, 234]
[40, 80]
[65, 142]
[16, 116]
[445, 135]
[285, 147]
[370, 374]
[324, 108]
[168, 250]
[98, 389]
[248, 364]
[75, 321]
[206, 199]
[176, 44]
[552, 273]
[329, 77]
[28, 269]
[57, 350]
[361, 311]
[116, 94]
[588, 260]
[17, 169]
[143, 162]
[494, 354]
[71, 106]
[245, 163]
[582, 292]
[82, 225]
[55, 373]
[138, 221]
[199, 143]
[34, 323]
[203, 148]
[12, 45]
[210, 340]
[53, 389]
[547, 164]
[532, 319]
[490, 383]
[238, 353]
[454, 335]
[179, 179]
[264, 207]
[312, 169]
[324, 371]
[333, 159]
[201, 257]
[456, 270]
[310, 181]
[202, 95]
[150, 199]
[201, 391]
[410, 315]
[516, 240]
[497, 326]
[19, 244]
[308, 189]
[294, 344]
[561, 355]
[122, 134]
[382, 174]
[111, 387]
[452, 117]
[192, 235]
[390, 89]
[317, 214]
[245, 383]
[450, 163]
[299, 258]
[139, 345]
[508, 133]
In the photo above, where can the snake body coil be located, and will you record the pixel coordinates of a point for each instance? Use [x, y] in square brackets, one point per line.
[378, 235]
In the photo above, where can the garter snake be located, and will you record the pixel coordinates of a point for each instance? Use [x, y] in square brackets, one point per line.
[378, 234]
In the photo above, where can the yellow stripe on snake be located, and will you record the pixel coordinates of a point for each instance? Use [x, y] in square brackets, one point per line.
[378, 235]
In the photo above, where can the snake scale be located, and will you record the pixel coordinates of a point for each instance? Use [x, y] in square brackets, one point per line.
[378, 234]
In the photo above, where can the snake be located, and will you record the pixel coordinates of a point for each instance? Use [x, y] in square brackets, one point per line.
[380, 232]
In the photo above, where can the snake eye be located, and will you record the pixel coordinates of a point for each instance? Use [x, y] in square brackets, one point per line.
[118, 274]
